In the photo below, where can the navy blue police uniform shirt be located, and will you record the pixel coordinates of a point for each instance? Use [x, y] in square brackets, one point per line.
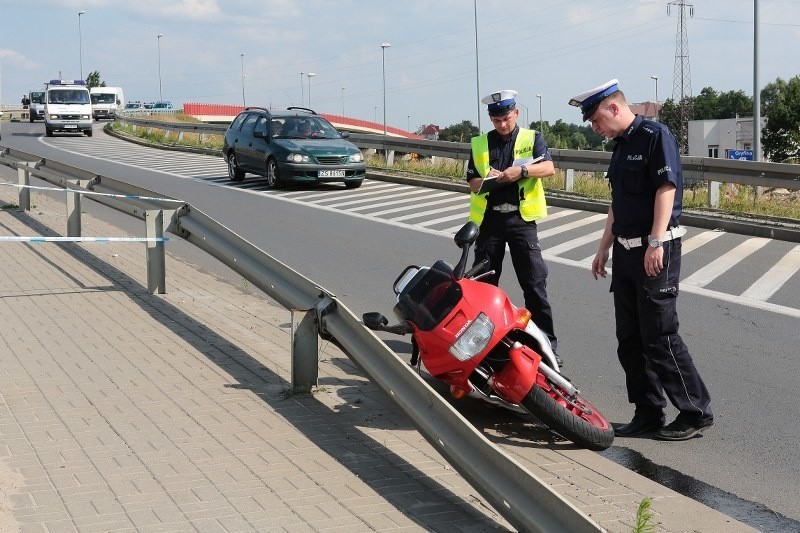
[645, 157]
[501, 155]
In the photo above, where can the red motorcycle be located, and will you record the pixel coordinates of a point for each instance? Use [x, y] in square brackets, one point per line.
[468, 334]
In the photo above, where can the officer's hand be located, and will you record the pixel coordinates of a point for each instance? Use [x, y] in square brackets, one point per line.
[599, 264]
[653, 261]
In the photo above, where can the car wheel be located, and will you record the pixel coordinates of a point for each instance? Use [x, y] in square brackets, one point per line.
[49, 131]
[273, 177]
[234, 172]
[88, 132]
[31, 117]
[353, 184]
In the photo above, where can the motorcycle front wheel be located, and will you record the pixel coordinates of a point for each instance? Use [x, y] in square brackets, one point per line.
[573, 418]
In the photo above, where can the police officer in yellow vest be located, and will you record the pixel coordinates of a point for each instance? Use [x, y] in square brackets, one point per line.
[508, 162]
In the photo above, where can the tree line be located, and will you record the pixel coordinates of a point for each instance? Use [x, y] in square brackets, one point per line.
[780, 106]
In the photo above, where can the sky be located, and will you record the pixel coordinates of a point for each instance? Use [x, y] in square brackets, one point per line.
[432, 72]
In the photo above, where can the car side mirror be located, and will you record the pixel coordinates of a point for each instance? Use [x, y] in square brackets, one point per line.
[259, 134]
[344, 134]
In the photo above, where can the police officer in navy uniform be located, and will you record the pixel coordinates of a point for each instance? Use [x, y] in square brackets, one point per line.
[642, 225]
[510, 161]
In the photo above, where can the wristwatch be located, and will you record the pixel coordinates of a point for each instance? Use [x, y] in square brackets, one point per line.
[524, 170]
[654, 243]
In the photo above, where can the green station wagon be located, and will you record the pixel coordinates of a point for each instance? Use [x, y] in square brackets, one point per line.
[295, 145]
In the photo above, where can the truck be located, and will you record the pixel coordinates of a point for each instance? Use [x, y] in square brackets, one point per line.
[67, 107]
[36, 107]
[107, 102]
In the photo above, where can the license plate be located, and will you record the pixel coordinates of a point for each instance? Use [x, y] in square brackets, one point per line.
[331, 173]
[68, 126]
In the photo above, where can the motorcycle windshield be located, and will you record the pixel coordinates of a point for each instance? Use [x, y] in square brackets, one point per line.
[428, 298]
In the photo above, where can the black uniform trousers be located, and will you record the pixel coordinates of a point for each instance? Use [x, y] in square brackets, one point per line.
[651, 352]
[496, 230]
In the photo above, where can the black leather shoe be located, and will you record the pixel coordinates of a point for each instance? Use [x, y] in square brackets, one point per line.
[682, 430]
[638, 426]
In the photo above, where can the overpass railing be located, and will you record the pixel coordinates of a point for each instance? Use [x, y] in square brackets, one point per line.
[714, 171]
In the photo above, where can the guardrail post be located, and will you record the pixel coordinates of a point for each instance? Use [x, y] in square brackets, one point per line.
[73, 213]
[569, 180]
[305, 350]
[156, 262]
[713, 193]
[24, 179]
[390, 158]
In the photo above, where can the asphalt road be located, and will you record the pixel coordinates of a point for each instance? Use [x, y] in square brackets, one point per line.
[745, 466]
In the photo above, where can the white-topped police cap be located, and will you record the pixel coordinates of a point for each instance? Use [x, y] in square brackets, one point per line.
[501, 102]
[589, 100]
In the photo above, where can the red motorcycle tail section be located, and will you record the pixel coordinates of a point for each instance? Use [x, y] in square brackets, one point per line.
[518, 376]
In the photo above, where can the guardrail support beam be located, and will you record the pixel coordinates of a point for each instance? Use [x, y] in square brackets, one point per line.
[156, 260]
[713, 193]
[73, 214]
[569, 180]
[24, 179]
[305, 350]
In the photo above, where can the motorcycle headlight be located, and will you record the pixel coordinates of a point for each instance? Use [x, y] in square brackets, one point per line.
[474, 339]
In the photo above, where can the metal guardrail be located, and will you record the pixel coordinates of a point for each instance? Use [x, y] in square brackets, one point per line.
[523, 499]
[709, 169]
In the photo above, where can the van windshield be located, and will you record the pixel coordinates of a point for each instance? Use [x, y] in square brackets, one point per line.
[37, 97]
[103, 98]
[67, 96]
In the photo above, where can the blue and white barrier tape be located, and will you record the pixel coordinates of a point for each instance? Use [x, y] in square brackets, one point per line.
[16, 238]
[58, 189]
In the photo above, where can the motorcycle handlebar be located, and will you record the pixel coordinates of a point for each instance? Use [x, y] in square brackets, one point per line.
[477, 268]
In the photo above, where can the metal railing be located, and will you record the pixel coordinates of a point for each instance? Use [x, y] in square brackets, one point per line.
[714, 171]
[525, 500]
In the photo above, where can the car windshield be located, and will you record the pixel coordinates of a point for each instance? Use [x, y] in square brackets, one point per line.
[37, 98]
[306, 128]
[68, 96]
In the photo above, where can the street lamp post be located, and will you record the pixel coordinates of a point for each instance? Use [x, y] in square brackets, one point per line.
[80, 42]
[342, 101]
[160, 92]
[525, 116]
[408, 123]
[302, 90]
[384, 46]
[244, 102]
[541, 123]
[310, 75]
[654, 77]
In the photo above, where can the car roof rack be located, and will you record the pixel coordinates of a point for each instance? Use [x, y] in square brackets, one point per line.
[302, 109]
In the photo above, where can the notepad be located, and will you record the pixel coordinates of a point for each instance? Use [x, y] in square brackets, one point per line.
[490, 184]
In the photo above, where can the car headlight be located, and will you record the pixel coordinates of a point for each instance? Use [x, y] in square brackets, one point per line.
[297, 158]
[474, 339]
[356, 158]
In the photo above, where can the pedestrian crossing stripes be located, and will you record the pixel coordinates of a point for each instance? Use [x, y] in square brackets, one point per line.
[749, 271]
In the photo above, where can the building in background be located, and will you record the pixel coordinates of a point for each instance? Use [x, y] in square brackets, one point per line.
[729, 138]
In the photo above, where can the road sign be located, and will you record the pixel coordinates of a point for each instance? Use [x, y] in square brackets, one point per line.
[746, 155]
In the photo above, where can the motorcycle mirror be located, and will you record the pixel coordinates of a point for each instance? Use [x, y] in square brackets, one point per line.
[374, 320]
[467, 234]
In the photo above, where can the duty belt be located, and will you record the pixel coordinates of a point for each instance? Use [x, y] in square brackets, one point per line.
[672, 233]
[505, 208]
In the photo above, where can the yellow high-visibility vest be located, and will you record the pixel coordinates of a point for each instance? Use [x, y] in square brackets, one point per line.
[532, 204]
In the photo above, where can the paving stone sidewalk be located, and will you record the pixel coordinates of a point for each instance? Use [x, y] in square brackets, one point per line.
[124, 411]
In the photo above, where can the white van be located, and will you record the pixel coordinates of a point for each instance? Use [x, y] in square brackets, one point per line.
[67, 107]
[107, 102]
